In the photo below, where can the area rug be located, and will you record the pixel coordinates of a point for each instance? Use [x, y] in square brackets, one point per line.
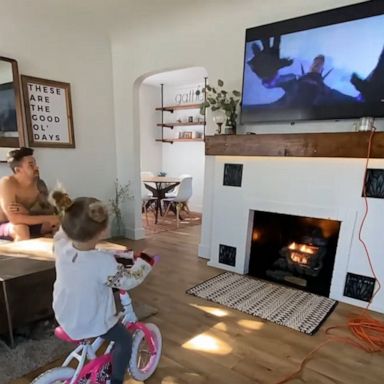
[301, 311]
[168, 223]
[42, 347]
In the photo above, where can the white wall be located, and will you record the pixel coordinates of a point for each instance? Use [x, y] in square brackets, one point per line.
[56, 43]
[150, 150]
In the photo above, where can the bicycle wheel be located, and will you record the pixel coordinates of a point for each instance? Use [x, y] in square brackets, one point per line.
[59, 375]
[143, 363]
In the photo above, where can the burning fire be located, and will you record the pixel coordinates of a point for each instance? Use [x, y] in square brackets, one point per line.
[302, 253]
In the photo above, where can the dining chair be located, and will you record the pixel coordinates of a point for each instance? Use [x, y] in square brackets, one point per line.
[180, 200]
[173, 192]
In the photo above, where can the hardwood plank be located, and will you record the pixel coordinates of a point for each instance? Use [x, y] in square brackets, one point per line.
[251, 350]
[335, 144]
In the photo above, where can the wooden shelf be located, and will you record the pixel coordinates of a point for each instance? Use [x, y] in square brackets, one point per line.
[335, 144]
[171, 108]
[171, 141]
[171, 125]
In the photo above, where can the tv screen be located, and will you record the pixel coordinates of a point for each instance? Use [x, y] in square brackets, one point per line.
[327, 65]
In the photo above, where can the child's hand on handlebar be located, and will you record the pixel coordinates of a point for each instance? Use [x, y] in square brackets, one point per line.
[152, 260]
[125, 254]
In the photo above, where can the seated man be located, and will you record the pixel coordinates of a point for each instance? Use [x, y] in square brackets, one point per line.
[19, 193]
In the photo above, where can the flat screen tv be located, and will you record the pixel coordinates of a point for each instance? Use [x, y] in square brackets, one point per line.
[327, 65]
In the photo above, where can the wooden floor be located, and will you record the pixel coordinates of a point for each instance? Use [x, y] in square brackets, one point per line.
[207, 343]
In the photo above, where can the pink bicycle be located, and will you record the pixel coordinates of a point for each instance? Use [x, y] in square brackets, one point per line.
[90, 369]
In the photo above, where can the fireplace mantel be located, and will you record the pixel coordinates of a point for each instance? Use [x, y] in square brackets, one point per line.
[335, 144]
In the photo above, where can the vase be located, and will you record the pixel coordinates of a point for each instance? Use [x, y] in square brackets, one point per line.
[231, 124]
[230, 130]
[219, 119]
[117, 227]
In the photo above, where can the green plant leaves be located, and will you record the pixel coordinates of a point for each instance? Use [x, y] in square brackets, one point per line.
[220, 99]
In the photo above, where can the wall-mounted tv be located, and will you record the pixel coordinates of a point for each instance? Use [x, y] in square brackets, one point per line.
[327, 65]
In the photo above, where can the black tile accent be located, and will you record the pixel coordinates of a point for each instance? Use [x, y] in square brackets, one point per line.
[233, 174]
[359, 287]
[227, 255]
[374, 183]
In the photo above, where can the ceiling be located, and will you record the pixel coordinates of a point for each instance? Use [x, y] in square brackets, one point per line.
[186, 76]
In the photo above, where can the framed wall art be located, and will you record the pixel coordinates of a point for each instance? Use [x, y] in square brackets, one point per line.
[48, 112]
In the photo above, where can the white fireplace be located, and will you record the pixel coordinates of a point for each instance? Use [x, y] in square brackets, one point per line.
[313, 187]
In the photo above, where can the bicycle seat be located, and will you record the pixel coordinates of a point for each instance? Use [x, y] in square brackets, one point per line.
[62, 335]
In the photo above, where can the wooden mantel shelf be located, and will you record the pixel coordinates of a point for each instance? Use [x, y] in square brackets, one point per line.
[335, 144]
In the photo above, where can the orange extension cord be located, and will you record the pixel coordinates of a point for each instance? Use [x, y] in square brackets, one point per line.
[367, 331]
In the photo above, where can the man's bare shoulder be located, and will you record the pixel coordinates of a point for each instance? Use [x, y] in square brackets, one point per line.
[8, 182]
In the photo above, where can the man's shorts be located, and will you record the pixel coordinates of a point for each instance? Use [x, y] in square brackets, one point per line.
[5, 230]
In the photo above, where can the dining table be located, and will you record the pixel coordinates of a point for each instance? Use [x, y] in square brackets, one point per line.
[159, 186]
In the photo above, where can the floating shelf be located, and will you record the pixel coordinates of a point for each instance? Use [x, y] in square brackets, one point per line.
[335, 144]
[171, 125]
[171, 108]
[171, 141]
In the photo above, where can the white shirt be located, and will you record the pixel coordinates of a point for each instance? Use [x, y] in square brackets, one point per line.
[83, 300]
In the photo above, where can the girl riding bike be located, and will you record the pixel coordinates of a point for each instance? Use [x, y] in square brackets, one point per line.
[83, 300]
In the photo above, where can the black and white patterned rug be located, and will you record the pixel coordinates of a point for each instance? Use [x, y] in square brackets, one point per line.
[302, 311]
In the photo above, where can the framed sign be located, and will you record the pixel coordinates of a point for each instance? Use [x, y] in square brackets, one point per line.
[48, 112]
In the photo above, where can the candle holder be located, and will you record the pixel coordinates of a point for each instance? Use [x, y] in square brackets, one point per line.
[219, 119]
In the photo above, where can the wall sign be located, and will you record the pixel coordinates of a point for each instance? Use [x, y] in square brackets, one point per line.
[188, 95]
[48, 112]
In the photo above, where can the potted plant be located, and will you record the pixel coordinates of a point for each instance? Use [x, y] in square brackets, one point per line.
[218, 99]
[122, 193]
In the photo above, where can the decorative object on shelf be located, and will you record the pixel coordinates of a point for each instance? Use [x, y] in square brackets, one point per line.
[197, 135]
[48, 112]
[219, 119]
[220, 99]
[122, 193]
[365, 124]
[187, 135]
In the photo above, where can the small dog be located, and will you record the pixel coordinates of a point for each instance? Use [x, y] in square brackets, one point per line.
[60, 199]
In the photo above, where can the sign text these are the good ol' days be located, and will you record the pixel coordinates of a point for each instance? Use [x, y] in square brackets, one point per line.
[48, 113]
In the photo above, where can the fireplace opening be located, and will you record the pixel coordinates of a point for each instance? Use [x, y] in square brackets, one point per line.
[293, 250]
